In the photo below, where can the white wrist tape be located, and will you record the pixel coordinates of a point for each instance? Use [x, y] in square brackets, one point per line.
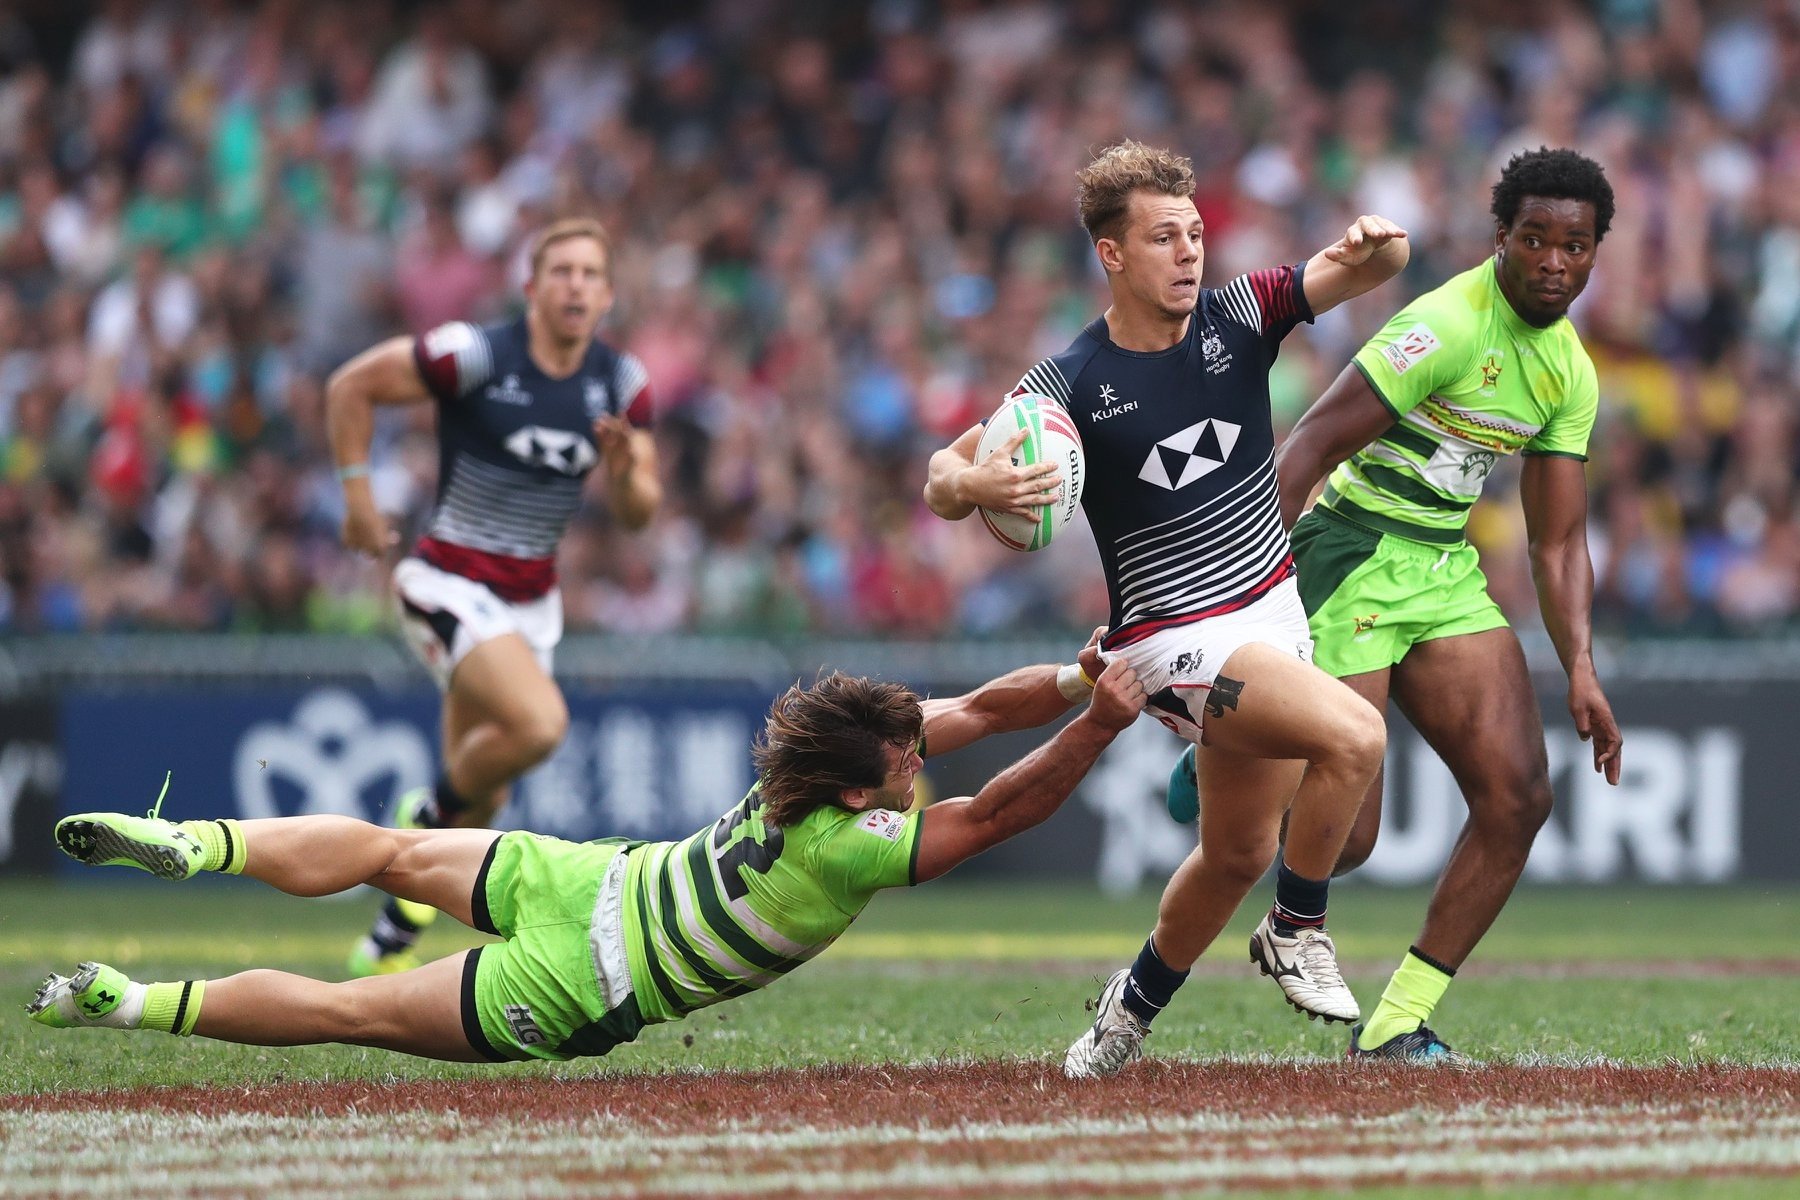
[1073, 683]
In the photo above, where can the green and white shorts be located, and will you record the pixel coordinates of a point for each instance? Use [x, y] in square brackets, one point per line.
[1371, 596]
[559, 986]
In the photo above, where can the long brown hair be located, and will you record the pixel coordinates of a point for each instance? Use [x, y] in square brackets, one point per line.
[821, 740]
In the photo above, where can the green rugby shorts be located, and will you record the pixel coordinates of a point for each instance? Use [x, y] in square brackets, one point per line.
[558, 986]
[1369, 597]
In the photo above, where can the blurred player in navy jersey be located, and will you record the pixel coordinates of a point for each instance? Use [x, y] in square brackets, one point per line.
[1170, 391]
[526, 410]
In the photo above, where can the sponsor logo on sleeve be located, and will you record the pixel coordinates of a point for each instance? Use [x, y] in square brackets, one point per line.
[883, 823]
[1410, 347]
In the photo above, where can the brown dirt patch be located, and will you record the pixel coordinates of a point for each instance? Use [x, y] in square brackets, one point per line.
[923, 1097]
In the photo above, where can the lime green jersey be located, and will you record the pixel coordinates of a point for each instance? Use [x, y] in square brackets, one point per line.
[741, 903]
[1467, 381]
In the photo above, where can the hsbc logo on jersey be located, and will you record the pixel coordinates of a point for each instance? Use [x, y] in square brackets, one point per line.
[1195, 452]
[557, 449]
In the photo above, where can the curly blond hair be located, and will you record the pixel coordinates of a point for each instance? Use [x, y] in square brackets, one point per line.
[1106, 184]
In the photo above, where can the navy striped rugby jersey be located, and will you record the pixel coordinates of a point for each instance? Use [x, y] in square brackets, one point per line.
[513, 448]
[1181, 455]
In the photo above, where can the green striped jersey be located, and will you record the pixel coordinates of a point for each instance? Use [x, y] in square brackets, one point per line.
[1467, 381]
[741, 903]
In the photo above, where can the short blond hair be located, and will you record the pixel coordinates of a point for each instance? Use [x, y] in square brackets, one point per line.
[1106, 184]
[562, 231]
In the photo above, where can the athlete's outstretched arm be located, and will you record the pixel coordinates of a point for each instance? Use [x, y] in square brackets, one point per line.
[1553, 490]
[1371, 252]
[633, 480]
[385, 373]
[957, 485]
[1021, 699]
[1345, 419]
[1033, 788]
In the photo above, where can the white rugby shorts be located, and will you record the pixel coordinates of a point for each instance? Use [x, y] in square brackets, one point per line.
[1179, 665]
[445, 616]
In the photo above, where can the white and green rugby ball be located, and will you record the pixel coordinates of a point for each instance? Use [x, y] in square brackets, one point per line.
[1050, 437]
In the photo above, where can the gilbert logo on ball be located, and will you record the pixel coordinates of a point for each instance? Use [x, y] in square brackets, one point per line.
[1050, 436]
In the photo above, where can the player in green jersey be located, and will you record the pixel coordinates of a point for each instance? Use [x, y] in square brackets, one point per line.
[1485, 366]
[602, 938]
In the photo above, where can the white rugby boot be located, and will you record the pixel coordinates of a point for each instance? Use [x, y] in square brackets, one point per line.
[1115, 1040]
[1305, 966]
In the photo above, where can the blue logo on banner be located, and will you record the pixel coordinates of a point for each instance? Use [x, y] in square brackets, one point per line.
[644, 764]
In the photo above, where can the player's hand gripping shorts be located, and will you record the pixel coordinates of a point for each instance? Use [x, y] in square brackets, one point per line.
[1179, 665]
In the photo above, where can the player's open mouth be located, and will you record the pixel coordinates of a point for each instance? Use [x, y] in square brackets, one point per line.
[1183, 283]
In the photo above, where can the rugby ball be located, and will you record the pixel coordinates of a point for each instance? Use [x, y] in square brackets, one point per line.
[1050, 436]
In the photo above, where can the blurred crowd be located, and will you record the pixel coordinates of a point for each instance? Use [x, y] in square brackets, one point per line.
[841, 231]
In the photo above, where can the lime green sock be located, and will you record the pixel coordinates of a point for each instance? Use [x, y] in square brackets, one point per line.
[1411, 995]
[173, 1007]
[224, 843]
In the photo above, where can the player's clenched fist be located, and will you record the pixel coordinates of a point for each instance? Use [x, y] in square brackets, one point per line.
[1364, 237]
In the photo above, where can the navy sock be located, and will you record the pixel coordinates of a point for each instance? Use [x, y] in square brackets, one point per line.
[1299, 902]
[449, 805]
[1152, 983]
[393, 930]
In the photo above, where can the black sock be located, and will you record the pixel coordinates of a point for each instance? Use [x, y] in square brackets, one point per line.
[1152, 983]
[393, 930]
[1299, 902]
[448, 805]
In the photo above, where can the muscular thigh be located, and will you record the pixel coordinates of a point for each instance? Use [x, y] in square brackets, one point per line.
[417, 1012]
[1242, 797]
[1470, 698]
[499, 680]
[439, 867]
[1268, 704]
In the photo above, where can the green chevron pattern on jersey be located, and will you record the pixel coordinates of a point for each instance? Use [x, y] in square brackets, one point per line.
[741, 903]
[1468, 382]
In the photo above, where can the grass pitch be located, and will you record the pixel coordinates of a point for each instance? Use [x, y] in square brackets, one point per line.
[953, 981]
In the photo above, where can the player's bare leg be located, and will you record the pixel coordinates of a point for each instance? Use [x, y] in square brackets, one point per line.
[1276, 730]
[415, 1012]
[418, 1012]
[1373, 687]
[1242, 800]
[318, 856]
[502, 716]
[1492, 739]
[1266, 703]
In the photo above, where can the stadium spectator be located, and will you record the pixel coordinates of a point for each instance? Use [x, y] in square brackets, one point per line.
[862, 225]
